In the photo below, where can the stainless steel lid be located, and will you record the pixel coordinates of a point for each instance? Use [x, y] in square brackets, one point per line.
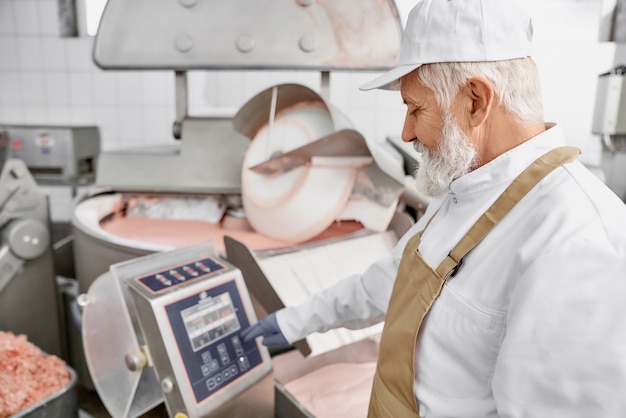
[271, 34]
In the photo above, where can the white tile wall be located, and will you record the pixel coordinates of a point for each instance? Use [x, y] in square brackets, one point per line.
[9, 51]
[105, 88]
[154, 88]
[54, 53]
[29, 54]
[26, 16]
[108, 121]
[59, 115]
[78, 54]
[10, 113]
[129, 88]
[57, 89]
[81, 88]
[60, 200]
[47, 26]
[7, 26]
[45, 79]
[32, 88]
[10, 88]
[79, 114]
[131, 125]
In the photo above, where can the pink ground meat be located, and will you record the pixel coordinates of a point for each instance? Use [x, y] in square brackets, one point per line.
[27, 375]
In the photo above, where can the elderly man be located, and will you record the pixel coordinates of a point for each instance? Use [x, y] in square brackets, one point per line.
[508, 297]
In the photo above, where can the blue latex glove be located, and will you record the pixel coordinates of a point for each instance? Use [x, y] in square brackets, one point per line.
[267, 328]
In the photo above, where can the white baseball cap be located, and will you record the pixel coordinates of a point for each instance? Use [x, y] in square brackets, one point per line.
[459, 31]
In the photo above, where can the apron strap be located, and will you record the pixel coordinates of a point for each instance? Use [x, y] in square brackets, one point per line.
[507, 200]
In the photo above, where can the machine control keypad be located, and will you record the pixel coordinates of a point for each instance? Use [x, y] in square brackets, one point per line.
[206, 327]
[179, 275]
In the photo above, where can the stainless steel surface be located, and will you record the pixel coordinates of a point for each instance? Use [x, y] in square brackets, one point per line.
[609, 124]
[323, 34]
[27, 238]
[28, 292]
[95, 252]
[108, 335]
[164, 348]
[257, 111]
[366, 185]
[343, 143]
[11, 265]
[609, 118]
[208, 160]
[55, 154]
[287, 406]
[355, 34]
[182, 103]
[18, 191]
[127, 319]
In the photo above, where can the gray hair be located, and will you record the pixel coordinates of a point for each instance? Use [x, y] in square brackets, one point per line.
[516, 83]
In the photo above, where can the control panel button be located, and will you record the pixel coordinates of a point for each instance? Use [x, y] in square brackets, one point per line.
[223, 352]
[233, 370]
[237, 345]
[244, 364]
[206, 369]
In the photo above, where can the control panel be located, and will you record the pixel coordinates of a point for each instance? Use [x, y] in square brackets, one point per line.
[206, 328]
[191, 313]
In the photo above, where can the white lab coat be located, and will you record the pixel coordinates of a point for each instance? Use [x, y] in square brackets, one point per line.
[534, 323]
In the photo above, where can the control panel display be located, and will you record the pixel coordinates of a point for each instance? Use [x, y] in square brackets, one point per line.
[209, 320]
[206, 329]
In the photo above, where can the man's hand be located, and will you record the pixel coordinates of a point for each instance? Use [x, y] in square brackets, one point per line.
[268, 328]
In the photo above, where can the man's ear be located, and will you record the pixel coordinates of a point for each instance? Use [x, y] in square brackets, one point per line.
[482, 96]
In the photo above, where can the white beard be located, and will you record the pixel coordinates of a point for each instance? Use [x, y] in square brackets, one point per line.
[454, 157]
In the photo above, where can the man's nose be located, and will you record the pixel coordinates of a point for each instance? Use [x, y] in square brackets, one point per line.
[408, 130]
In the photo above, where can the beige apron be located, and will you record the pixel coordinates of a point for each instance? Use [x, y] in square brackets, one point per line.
[418, 285]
